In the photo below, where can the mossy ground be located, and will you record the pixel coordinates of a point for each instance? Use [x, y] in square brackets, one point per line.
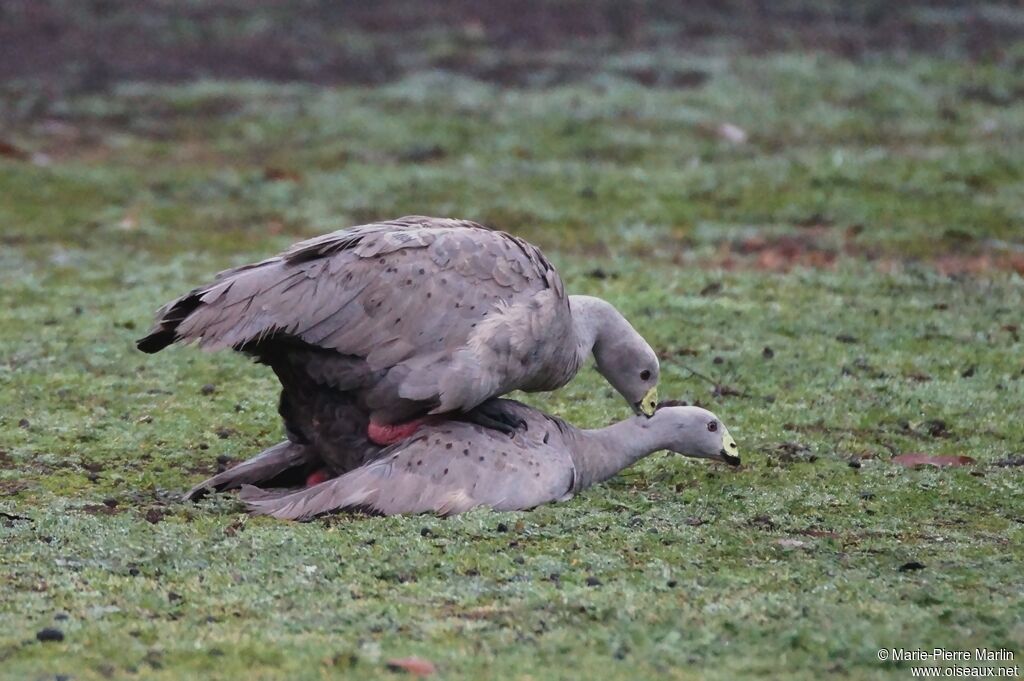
[843, 287]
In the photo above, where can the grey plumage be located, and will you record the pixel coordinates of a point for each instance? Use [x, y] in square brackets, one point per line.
[452, 467]
[420, 314]
[262, 468]
[393, 320]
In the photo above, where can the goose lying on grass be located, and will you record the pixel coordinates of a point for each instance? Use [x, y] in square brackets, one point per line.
[404, 319]
[454, 466]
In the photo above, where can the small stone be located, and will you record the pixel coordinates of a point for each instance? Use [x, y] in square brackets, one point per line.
[593, 581]
[711, 289]
[49, 634]
[671, 583]
[208, 389]
[731, 133]
[911, 566]
[718, 360]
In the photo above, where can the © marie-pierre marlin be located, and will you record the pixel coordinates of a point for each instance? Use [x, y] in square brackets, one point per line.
[947, 655]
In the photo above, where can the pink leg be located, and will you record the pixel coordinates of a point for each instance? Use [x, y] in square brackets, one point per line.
[384, 435]
[317, 476]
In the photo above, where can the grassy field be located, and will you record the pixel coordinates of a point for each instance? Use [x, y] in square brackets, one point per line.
[825, 249]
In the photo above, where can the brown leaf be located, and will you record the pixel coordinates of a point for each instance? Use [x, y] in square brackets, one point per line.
[10, 151]
[416, 666]
[272, 174]
[919, 459]
[17, 153]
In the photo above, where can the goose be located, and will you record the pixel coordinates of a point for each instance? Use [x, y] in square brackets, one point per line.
[452, 467]
[407, 319]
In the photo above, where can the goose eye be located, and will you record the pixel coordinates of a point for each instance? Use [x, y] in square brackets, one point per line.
[712, 426]
[644, 375]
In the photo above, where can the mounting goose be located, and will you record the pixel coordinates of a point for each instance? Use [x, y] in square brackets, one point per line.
[405, 319]
[452, 467]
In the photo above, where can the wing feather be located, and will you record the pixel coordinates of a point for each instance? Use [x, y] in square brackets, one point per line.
[412, 293]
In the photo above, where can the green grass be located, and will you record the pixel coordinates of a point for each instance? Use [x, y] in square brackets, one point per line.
[786, 568]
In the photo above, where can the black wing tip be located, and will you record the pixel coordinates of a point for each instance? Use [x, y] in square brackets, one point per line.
[155, 342]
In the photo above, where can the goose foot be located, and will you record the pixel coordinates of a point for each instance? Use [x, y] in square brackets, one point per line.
[496, 419]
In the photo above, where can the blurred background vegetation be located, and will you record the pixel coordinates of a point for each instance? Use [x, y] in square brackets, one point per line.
[893, 121]
[93, 44]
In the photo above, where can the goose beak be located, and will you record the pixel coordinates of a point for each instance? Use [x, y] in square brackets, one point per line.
[648, 404]
[730, 452]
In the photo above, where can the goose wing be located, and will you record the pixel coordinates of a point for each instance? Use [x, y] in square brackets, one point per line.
[417, 292]
[446, 469]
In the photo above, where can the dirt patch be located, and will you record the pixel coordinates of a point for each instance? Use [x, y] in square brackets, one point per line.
[952, 264]
[777, 253]
[101, 509]
[823, 247]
